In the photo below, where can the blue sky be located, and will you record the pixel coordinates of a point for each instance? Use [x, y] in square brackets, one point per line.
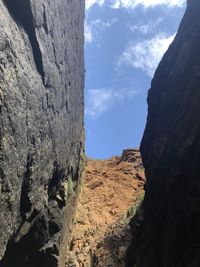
[124, 42]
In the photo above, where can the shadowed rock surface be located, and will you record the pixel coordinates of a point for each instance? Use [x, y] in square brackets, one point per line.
[166, 231]
[41, 127]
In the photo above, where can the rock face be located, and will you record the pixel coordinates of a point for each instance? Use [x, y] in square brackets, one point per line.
[111, 191]
[166, 231]
[41, 127]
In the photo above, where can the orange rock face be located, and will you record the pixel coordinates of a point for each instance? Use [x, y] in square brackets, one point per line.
[110, 187]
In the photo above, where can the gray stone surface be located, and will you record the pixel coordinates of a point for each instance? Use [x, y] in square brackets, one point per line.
[41, 120]
[166, 230]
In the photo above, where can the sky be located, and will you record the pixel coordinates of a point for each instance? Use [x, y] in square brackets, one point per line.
[124, 43]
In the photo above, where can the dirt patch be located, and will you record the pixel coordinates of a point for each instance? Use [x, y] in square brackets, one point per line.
[111, 191]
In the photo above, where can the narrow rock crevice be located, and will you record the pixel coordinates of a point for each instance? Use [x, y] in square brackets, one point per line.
[25, 204]
[18, 254]
[20, 10]
[57, 177]
[111, 193]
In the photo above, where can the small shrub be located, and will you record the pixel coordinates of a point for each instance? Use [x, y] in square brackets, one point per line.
[133, 209]
[141, 197]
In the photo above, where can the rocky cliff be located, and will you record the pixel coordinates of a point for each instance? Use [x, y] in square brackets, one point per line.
[41, 127]
[166, 230]
[111, 191]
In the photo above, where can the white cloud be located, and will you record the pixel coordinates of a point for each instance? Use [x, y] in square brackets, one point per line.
[135, 3]
[93, 29]
[100, 100]
[88, 33]
[145, 28]
[147, 54]
[142, 28]
[146, 3]
[90, 3]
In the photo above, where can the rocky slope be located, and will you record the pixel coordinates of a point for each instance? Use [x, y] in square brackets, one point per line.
[41, 127]
[111, 192]
[167, 229]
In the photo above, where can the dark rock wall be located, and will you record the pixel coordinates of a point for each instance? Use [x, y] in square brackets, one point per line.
[166, 230]
[41, 123]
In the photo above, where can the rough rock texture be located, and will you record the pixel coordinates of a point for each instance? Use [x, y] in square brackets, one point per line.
[41, 126]
[167, 230]
[111, 192]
